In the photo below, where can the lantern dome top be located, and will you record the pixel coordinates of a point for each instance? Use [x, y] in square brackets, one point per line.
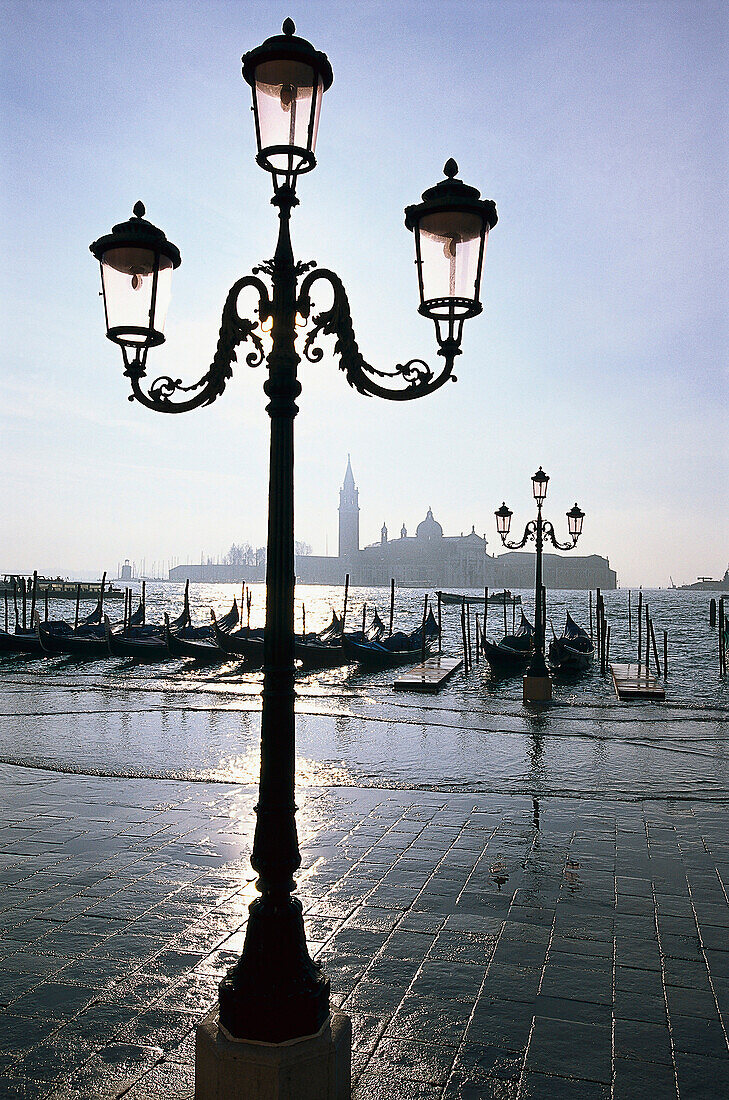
[287, 46]
[451, 193]
[137, 233]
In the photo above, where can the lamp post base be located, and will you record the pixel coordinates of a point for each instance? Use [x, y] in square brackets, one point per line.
[537, 689]
[316, 1067]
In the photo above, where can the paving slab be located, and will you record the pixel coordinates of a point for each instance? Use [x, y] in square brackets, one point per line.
[483, 947]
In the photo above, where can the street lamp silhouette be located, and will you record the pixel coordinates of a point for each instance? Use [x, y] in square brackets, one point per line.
[276, 993]
[537, 684]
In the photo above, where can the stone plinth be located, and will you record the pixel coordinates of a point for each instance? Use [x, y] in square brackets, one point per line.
[317, 1067]
[537, 689]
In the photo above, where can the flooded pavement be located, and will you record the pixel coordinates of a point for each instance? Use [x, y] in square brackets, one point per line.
[510, 901]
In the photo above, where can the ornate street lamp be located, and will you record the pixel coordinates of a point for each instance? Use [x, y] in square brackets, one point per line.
[276, 993]
[537, 684]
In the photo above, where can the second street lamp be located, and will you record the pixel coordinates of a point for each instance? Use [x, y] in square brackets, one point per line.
[276, 994]
[537, 684]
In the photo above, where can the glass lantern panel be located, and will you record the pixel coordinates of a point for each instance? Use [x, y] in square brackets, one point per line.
[450, 242]
[284, 91]
[128, 283]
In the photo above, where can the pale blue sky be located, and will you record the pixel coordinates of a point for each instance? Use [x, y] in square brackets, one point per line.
[601, 131]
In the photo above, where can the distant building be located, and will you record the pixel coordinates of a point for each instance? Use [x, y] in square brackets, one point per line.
[430, 559]
[427, 559]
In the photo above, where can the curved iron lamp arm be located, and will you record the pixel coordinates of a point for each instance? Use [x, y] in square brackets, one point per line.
[234, 329]
[415, 377]
[530, 532]
[548, 532]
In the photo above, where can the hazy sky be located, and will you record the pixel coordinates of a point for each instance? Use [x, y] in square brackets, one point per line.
[601, 131]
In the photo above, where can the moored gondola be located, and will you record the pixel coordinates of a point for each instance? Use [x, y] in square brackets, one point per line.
[512, 653]
[397, 649]
[573, 651]
[199, 642]
[312, 650]
[145, 642]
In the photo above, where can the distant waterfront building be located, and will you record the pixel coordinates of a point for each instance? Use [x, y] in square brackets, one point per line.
[348, 515]
[427, 559]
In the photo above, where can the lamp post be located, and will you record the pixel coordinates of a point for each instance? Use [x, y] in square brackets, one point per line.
[276, 994]
[537, 684]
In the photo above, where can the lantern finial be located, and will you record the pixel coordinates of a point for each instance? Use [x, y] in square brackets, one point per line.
[450, 168]
[289, 27]
[139, 210]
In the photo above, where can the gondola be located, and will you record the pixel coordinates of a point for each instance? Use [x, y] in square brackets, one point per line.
[199, 642]
[513, 651]
[329, 647]
[398, 649]
[86, 641]
[145, 642]
[321, 649]
[20, 641]
[573, 651]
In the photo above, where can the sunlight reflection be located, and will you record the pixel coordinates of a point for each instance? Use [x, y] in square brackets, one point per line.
[309, 773]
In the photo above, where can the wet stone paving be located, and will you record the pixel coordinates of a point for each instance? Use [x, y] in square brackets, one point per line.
[489, 946]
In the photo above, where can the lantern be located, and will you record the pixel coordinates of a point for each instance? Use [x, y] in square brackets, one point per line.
[575, 517]
[451, 225]
[137, 262]
[503, 520]
[539, 485]
[288, 78]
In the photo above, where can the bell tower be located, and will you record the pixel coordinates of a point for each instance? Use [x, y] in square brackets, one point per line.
[348, 515]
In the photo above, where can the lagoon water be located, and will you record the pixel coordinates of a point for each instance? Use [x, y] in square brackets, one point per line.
[180, 720]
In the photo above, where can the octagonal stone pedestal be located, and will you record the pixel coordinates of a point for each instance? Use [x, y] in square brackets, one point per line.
[317, 1067]
[537, 689]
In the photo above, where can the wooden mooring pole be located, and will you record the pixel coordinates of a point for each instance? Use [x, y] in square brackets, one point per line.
[440, 621]
[33, 598]
[639, 622]
[712, 612]
[346, 593]
[630, 618]
[463, 635]
[665, 654]
[422, 629]
[591, 634]
[655, 648]
[392, 604]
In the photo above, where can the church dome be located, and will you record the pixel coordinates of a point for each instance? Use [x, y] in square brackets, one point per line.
[429, 528]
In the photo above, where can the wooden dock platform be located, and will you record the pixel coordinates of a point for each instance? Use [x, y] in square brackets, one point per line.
[633, 681]
[430, 676]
